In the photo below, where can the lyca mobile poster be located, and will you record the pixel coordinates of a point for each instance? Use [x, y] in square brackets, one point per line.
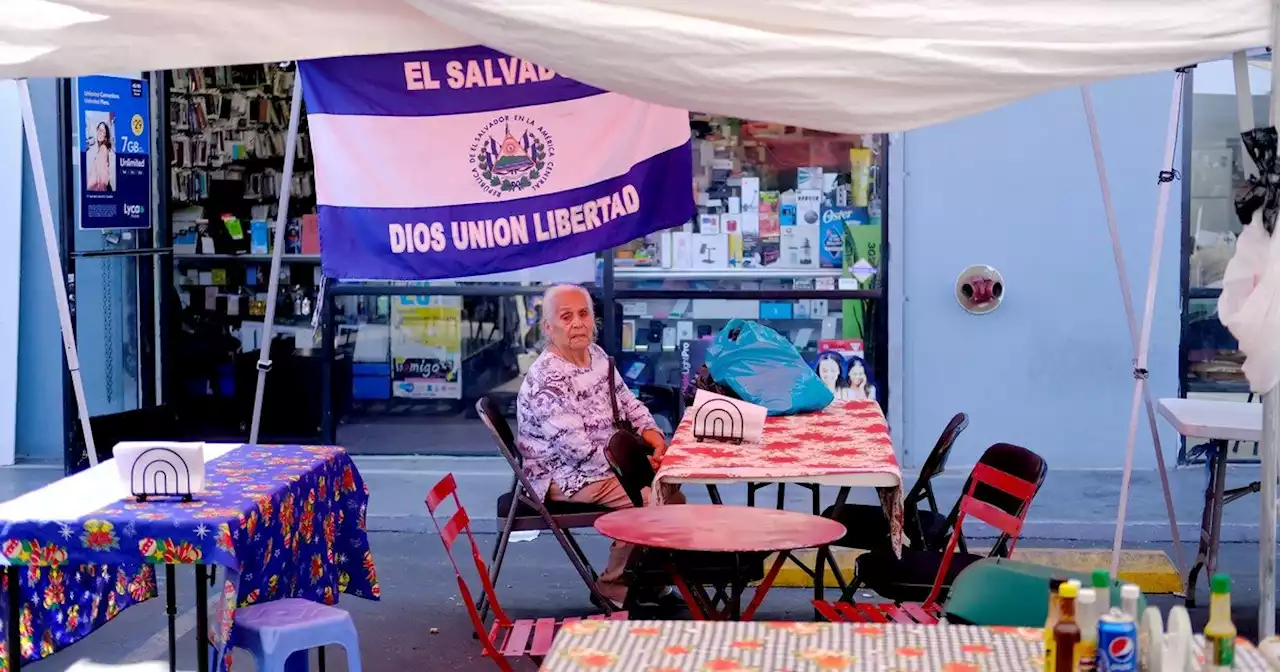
[115, 161]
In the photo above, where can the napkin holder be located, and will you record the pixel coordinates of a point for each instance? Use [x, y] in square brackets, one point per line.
[161, 469]
[719, 419]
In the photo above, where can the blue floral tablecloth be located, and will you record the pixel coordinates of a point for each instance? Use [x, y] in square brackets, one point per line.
[285, 521]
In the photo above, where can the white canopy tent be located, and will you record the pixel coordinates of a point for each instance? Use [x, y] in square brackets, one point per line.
[858, 67]
[871, 67]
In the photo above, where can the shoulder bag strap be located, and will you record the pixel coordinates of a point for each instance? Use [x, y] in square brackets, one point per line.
[613, 395]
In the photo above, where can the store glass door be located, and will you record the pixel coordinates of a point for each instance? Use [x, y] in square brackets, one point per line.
[111, 257]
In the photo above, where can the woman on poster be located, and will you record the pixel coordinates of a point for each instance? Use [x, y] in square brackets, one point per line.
[100, 160]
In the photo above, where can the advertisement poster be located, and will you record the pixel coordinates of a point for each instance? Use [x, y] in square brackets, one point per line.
[115, 160]
[426, 347]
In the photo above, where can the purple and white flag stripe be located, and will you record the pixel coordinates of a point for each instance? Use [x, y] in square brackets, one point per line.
[465, 162]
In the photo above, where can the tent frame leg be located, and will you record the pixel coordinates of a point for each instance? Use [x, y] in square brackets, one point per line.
[56, 273]
[1271, 398]
[273, 284]
[1141, 337]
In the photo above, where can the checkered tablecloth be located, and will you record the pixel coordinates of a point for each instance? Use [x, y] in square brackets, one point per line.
[846, 444]
[707, 646]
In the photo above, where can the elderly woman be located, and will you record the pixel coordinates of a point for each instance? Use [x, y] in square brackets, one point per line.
[565, 419]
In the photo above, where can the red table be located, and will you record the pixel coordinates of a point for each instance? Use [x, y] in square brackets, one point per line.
[845, 445]
[719, 529]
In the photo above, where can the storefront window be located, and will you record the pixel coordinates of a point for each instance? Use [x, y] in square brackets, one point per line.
[784, 213]
[1217, 166]
[777, 208]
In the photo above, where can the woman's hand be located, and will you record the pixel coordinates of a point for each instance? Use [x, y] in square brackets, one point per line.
[658, 442]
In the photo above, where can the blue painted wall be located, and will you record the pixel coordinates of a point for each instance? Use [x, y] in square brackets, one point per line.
[1016, 188]
[40, 367]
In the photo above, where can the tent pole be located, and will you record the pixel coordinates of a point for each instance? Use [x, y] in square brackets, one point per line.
[1270, 410]
[1144, 340]
[55, 269]
[1267, 533]
[1126, 293]
[1271, 399]
[273, 284]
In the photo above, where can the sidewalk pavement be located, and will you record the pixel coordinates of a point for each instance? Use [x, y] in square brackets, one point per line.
[1077, 505]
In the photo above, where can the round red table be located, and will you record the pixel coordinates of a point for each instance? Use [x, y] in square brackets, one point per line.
[719, 529]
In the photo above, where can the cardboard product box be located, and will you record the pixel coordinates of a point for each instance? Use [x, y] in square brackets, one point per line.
[750, 194]
[787, 214]
[710, 251]
[809, 177]
[682, 252]
[736, 259]
[709, 224]
[750, 227]
[800, 246]
[809, 207]
[769, 202]
[831, 235]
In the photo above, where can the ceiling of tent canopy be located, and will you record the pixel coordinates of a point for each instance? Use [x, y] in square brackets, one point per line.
[834, 65]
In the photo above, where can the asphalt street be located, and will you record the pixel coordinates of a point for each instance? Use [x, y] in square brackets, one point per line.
[421, 624]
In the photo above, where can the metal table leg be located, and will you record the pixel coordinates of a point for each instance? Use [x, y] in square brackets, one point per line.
[171, 608]
[13, 576]
[202, 618]
[1219, 485]
[1217, 466]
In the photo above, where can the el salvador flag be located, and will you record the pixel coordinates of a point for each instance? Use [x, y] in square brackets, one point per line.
[464, 162]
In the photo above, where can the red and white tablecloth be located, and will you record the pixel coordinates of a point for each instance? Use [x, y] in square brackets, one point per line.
[847, 445]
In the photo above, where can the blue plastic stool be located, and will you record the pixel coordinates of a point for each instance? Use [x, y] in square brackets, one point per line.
[281, 632]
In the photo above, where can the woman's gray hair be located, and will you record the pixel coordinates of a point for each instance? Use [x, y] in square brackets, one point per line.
[549, 299]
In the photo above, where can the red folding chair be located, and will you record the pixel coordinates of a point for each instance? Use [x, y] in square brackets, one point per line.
[506, 638]
[930, 611]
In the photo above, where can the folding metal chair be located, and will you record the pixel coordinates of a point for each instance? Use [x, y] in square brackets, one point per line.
[521, 509]
[925, 528]
[948, 563]
[907, 579]
[522, 638]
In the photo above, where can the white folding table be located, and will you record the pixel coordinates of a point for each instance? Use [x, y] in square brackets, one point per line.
[1219, 422]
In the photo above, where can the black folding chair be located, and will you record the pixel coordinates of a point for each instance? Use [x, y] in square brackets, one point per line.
[911, 577]
[723, 571]
[925, 528]
[521, 509]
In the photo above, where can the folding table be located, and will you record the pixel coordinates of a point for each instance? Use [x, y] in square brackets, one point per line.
[845, 445]
[282, 521]
[1220, 422]
[719, 529]
[647, 646]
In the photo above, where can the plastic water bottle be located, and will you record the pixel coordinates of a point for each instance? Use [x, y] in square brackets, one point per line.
[1087, 617]
[1129, 594]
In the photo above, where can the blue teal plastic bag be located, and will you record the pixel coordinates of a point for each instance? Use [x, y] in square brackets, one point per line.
[764, 368]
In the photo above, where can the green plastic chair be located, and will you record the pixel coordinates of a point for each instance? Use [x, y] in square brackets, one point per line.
[999, 591]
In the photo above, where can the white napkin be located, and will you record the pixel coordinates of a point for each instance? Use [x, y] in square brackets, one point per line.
[724, 416]
[168, 467]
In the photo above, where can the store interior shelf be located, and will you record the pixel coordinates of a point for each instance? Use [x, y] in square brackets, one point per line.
[712, 274]
[306, 258]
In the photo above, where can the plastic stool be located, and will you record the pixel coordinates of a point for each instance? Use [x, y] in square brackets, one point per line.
[279, 633]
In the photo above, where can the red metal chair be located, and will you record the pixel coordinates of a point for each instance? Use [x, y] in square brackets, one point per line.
[505, 638]
[930, 611]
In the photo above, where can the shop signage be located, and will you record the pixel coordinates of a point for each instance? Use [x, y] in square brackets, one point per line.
[464, 162]
[115, 153]
[426, 347]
